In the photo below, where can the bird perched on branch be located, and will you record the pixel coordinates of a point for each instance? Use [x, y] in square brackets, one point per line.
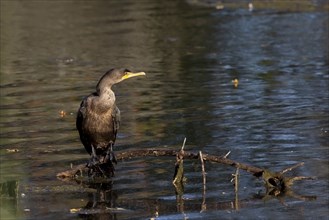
[98, 121]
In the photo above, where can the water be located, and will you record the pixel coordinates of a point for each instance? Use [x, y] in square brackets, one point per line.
[53, 53]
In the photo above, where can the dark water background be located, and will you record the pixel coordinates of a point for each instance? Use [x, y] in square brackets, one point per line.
[53, 53]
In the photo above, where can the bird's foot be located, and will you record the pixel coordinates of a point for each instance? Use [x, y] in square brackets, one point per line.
[99, 167]
[94, 166]
[99, 170]
[107, 169]
[113, 158]
[93, 161]
[110, 156]
[102, 165]
[108, 163]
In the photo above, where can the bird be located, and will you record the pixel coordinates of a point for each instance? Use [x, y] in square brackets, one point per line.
[98, 120]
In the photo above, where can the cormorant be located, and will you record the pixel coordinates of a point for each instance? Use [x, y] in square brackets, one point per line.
[98, 120]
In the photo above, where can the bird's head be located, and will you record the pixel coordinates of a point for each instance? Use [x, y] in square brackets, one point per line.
[114, 76]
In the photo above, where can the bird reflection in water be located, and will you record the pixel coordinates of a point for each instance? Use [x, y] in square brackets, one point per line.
[101, 202]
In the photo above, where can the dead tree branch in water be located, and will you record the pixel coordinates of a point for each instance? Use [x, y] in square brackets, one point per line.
[131, 154]
[273, 180]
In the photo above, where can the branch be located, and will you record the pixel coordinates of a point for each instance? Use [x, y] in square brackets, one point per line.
[179, 169]
[130, 154]
[291, 168]
[188, 155]
[203, 206]
[272, 179]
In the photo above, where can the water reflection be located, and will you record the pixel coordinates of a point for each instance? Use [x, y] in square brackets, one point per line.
[103, 201]
[9, 198]
[53, 53]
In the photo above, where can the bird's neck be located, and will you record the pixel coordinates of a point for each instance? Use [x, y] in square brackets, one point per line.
[107, 98]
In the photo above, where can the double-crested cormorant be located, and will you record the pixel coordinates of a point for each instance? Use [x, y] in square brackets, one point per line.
[98, 118]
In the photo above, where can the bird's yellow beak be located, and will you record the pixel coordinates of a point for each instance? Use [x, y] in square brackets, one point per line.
[130, 74]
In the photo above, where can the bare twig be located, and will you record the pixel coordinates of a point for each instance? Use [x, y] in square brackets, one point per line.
[291, 168]
[179, 167]
[183, 144]
[227, 154]
[203, 206]
[236, 189]
[291, 180]
[236, 180]
[203, 169]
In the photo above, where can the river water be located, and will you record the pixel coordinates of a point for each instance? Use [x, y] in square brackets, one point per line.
[54, 52]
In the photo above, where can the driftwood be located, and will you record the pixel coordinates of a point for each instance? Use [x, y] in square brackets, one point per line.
[275, 182]
[130, 154]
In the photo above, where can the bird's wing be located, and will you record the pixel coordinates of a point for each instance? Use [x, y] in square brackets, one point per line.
[81, 114]
[79, 124]
[116, 120]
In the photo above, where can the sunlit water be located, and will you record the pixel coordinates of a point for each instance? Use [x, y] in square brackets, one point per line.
[53, 53]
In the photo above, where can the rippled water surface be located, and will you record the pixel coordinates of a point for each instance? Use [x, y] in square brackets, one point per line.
[53, 53]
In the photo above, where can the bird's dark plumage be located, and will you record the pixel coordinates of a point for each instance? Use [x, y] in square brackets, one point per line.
[98, 118]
